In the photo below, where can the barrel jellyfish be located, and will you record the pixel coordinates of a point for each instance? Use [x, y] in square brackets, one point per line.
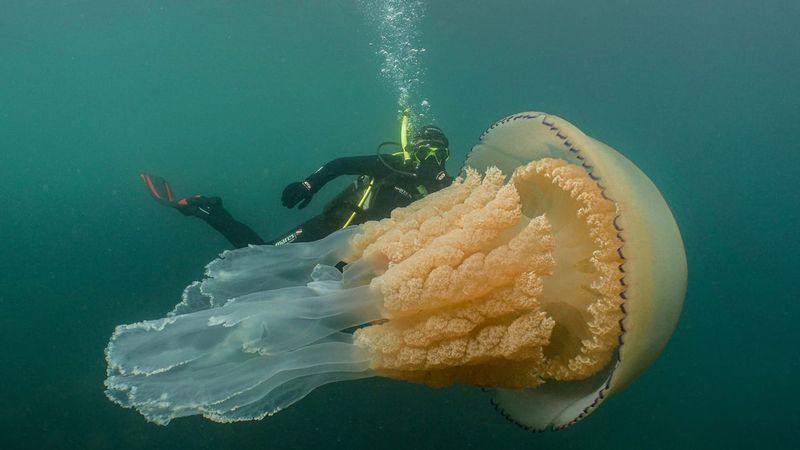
[550, 272]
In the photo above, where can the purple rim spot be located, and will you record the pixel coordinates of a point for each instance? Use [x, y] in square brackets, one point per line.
[616, 224]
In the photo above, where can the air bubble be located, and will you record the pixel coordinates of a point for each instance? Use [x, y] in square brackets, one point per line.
[397, 23]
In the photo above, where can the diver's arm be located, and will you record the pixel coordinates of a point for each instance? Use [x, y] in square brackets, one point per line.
[300, 193]
[353, 165]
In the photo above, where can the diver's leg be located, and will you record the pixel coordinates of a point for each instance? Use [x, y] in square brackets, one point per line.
[210, 210]
[237, 233]
[207, 208]
[313, 229]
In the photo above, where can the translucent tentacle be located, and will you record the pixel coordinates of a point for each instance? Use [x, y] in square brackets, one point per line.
[259, 268]
[243, 357]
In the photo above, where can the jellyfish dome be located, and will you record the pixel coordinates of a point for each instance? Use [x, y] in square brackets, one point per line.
[551, 271]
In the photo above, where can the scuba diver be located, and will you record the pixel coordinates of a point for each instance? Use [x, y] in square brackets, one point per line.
[385, 182]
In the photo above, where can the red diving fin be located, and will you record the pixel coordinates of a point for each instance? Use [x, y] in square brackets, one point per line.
[159, 189]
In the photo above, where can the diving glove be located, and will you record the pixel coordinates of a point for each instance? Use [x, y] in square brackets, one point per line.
[297, 192]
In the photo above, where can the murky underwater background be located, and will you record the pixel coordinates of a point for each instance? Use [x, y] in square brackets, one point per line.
[239, 98]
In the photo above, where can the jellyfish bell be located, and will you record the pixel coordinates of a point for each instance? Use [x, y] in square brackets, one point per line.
[654, 271]
[555, 277]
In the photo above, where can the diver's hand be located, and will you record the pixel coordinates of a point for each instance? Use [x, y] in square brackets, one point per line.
[297, 192]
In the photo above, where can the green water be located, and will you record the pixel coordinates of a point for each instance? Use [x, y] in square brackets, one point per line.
[239, 98]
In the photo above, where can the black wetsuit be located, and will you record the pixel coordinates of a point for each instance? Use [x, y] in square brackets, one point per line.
[391, 189]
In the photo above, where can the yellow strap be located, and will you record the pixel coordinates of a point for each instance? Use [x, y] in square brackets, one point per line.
[404, 136]
[361, 202]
